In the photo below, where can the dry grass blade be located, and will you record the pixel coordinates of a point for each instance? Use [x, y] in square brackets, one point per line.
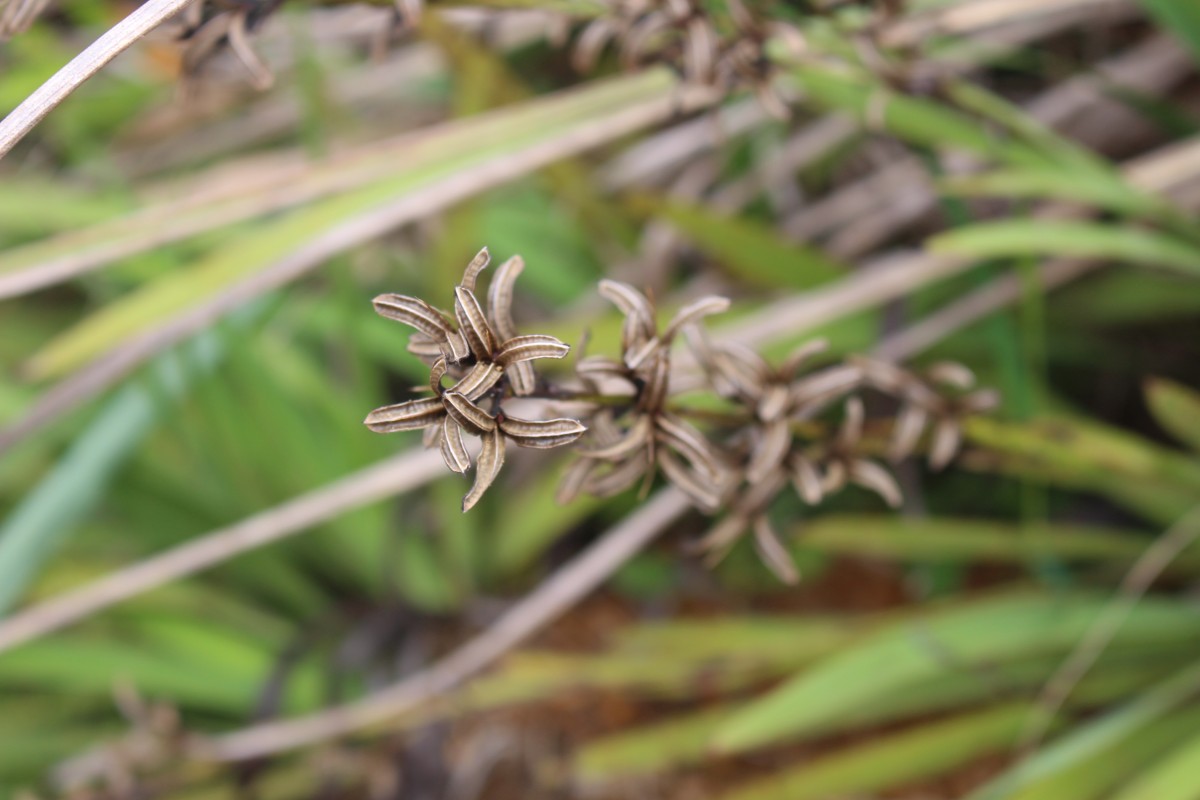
[401, 473]
[555, 595]
[114, 41]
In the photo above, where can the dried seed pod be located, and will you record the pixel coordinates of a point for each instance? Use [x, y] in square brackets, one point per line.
[473, 324]
[472, 418]
[477, 265]
[702, 492]
[479, 380]
[454, 449]
[415, 313]
[870, 475]
[689, 443]
[542, 433]
[772, 448]
[410, 416]
[527, 348]
[773, 553]
[487, 467]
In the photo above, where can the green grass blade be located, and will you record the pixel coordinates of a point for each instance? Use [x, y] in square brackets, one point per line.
[1027, 237]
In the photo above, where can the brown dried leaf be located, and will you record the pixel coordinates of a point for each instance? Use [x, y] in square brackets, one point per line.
[408, 416]
[471, 417]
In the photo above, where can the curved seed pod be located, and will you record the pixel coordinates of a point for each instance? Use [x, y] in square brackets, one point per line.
[773, 553]
[473, 324]
[910, 424]
[591, 43]
[737, 371]
[851, 428]
[636, 357]
[478, 264]
[479, 380]
[415, 313]
[639, 314]
[500, 294]
[454, 450]
[638, 37]
[657, 386]
[807, 480]
[834, 478]
[870, 475]
[718, 539]
[616, 480]
[771, 450]
[405, 416]
[947, 437]
[882, 375]
[455, 348]
[694, 312]
[487, 467]
[436, 373]
[636, 438]
[425, 348]
[542, 434]
[575, 479]
[828, 382]
[952, 373]
[689, 443]
[701, 492]
[773, 403]
[432, 436]
[527, 348]
[471, 417]
[601, 366]
[790, 368]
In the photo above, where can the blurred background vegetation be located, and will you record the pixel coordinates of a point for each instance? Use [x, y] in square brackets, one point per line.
[187, 350]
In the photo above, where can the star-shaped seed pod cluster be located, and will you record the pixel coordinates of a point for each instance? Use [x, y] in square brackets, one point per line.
[485, 361]
[633, 441]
